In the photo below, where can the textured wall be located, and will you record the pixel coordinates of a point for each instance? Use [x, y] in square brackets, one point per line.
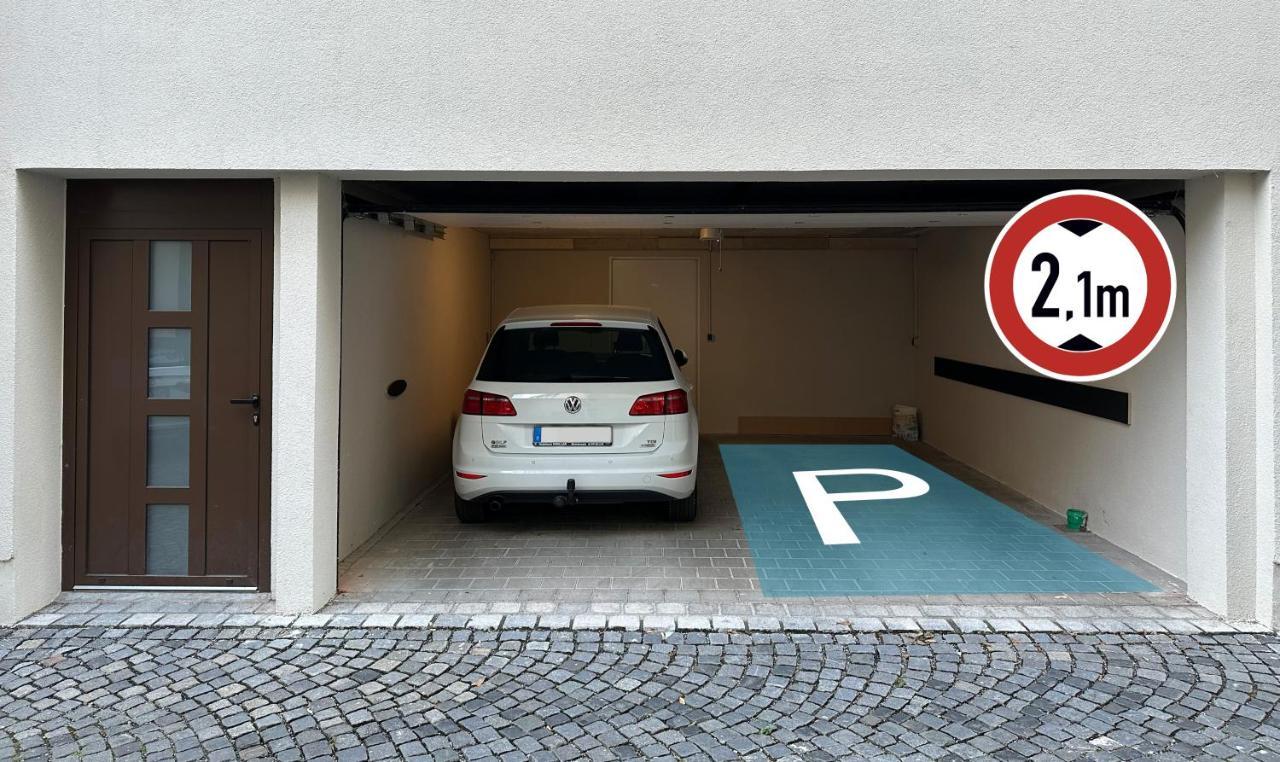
[1131, 479]
[412, 309]
[31, 287]
[799, 332]
[304, 391]
[647, 87]
[822, 90]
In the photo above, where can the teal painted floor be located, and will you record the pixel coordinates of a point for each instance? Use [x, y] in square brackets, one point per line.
[951, 540]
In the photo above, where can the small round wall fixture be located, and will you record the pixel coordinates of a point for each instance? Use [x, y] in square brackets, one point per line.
[397, 387]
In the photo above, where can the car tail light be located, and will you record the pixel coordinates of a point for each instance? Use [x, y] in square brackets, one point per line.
[467, 475]
[662, 403]
[575, 324]
[676, 474]
[484, 403]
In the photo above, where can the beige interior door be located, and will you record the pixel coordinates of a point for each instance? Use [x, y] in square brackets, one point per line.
[669, 287]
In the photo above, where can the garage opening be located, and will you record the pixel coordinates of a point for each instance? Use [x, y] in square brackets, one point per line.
[807, 312]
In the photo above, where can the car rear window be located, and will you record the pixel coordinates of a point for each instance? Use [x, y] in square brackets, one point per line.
[582, 354]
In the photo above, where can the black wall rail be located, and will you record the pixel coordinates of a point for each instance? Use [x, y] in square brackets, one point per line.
[1090, 400]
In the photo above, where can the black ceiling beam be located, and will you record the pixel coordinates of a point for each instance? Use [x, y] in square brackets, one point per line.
[368, 196]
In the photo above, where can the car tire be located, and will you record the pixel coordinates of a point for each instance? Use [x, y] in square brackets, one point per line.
[468, 511]
[685, 509]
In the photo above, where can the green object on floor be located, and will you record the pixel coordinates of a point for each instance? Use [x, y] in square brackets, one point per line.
[1077, 520]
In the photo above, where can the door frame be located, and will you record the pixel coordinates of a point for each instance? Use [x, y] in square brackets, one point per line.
[174, 209]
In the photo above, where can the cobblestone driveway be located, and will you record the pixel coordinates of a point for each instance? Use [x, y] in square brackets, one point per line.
[568, 694]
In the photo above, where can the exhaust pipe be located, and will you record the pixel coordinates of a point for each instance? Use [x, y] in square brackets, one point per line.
[495, 504]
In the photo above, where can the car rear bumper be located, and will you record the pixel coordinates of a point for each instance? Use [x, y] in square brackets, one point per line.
[597, 477]
[616, 497]
[550, 480]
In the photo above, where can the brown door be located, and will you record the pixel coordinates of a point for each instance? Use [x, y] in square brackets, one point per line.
[170, 446]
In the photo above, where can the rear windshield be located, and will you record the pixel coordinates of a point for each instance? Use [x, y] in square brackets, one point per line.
[578, 353]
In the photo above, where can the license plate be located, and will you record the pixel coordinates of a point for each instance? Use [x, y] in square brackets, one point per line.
[572, 436]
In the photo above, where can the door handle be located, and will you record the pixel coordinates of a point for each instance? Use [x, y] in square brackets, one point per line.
[255, 401]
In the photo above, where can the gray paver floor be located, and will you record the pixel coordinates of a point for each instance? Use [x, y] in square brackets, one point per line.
[244, 692]
[628, 560]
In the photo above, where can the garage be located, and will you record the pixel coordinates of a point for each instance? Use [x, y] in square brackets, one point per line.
[807, 312]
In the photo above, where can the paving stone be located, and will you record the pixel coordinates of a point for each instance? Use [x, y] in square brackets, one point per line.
[520, 621]
[312, 620]
[554, 621]
[934, 624]
[691, 622]
[485, 622]
[901, 623]
[517, 693]
[728, 623]
[589, 622]
[866, 624]
[1007, 625]
[971, 625]
[1040, 625]
[660, 622]
[624, 622]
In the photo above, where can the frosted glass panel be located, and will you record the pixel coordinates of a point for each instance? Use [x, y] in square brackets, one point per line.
[169, 363]
[167, 539]
[168, 451]
[169, 276]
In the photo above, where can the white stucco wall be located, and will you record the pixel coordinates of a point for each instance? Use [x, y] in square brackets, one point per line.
[1230, 403]
[414, 309]
[819, 90]
[664, 86]
[306, 338]
[31, 288]
[1131, 479]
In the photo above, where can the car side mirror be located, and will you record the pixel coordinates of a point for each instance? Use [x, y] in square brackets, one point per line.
[682, 359]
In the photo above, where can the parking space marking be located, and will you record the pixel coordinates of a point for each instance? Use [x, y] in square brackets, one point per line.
[948, 539]
[831, 524]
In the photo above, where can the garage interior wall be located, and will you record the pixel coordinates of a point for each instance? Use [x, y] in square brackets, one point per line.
[806, 327]
[1130, 478]
[413, 309]
[812, 327]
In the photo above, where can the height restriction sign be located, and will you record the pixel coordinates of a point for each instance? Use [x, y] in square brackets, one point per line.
[1080, 285]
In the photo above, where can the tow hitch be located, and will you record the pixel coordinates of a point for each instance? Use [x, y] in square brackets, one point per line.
[569, 498]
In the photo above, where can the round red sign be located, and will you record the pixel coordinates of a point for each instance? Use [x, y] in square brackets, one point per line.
[1080, 285]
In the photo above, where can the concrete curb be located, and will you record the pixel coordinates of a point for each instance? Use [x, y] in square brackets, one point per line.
[637, 623]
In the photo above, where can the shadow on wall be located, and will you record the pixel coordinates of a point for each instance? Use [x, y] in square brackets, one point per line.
[417, 310]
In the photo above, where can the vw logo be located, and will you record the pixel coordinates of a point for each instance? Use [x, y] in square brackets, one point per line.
[572, 404]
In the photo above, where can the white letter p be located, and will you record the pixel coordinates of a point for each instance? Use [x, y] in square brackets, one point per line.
[832, 527]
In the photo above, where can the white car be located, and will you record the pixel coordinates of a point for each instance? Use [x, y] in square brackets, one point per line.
[574, 405]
